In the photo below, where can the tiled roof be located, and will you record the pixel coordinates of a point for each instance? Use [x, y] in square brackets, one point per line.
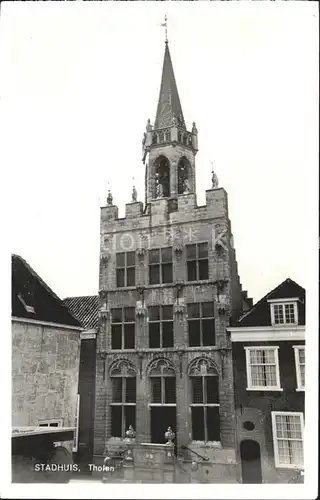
[259, 314]
[85, 309]
[169, 101]
[33, 299]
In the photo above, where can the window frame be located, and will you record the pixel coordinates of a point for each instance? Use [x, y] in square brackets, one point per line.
[163, 389]
[125, 268]
[277, 463]
[205, 404]
[123, 323]
[283, 303]
[161, 321]
[250, 387]
[47, 422]
[200, 319]
[296, 349]
[160, 264]
[123, 402]
[197, 259]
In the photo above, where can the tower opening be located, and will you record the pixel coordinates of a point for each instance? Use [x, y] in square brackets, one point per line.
[162, 175]
[183, 176]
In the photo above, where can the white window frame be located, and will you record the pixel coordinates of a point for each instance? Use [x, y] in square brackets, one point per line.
[251, 387]
[278, 465]
[46, 423]
[296, 349]
[283, 303]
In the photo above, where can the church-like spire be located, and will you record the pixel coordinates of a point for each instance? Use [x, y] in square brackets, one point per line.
[169, 107]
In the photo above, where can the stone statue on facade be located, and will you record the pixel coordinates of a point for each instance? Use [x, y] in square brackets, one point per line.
[174, 120]
[149, 126]
[134, 194]
[214, 179]
[109, 198]
[194, 128]
[159, 190]
[186, 187]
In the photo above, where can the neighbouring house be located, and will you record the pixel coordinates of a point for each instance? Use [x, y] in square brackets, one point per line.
[86, 311]
[45, 353]
[268, 346]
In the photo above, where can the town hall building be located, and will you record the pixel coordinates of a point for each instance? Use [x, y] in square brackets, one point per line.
[168, 288]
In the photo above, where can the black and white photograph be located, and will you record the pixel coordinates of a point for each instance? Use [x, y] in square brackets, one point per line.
[161, 245]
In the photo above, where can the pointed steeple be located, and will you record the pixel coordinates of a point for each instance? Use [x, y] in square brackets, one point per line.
[169, 106]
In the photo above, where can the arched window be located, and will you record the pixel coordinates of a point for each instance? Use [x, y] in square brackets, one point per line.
[154, 138]
[161, 136]
[183, 174]
[123, 397]
[179, 136]
[185, 138]
[162, 173]
[163, 382]
[204, 386]
[168, 135]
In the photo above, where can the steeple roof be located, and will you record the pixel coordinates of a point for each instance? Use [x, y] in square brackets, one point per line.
[169, 103]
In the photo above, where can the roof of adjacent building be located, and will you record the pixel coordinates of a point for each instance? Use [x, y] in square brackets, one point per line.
[259, 314]
[85, 309]
[32, 298]
[169, 102]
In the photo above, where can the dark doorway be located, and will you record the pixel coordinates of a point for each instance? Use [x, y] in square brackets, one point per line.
[250, 462]
[162, 175]
[161, 419]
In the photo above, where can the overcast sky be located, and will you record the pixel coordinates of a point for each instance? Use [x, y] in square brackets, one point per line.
[80, 80]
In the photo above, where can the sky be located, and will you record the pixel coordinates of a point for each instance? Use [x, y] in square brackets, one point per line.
[79, 81]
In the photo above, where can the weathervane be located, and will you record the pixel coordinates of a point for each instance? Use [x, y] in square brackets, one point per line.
[165, 25]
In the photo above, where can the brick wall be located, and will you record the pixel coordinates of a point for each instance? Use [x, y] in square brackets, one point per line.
[45, 368]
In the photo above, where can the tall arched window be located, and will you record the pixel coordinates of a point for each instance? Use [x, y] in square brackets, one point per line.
[162, 173]
[123, 397]
[204, 382]
[183, 174]
[163, 382]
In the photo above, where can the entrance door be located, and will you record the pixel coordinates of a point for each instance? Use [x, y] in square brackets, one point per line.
[161, 418]
[250, 462]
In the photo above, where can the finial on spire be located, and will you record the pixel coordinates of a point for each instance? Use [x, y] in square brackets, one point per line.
[165, 25]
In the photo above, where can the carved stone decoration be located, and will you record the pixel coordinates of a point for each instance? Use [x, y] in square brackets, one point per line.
[179, 311]
[130, 433]
[159, 191]
[102, 355]
[134, 194]
[202, 366]
[140, 309]
[141, 252]
[105, 258]
[161, 366]
[122, 367]
[103, 294]
[149, 459]
[186, 187]
[178, 249]
[223, 309]
[169, 435]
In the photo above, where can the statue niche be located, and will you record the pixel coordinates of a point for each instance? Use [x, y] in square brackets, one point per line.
[162, 176]
[184, 170]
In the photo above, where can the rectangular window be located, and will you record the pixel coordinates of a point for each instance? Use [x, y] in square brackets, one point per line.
[160, 326]
[163, 390]
[284, 313]
[126, 269]
[262, 368]
[160, 266]
[287, 430]
[197, 262]
[201, 324]
[123, 328]
[50, 423]
[205, 408]
[299, 356]
[123, 405]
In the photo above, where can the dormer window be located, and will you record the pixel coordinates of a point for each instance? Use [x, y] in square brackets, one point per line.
[284, 312]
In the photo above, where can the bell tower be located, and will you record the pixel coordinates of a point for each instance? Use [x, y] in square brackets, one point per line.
[168, 146]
